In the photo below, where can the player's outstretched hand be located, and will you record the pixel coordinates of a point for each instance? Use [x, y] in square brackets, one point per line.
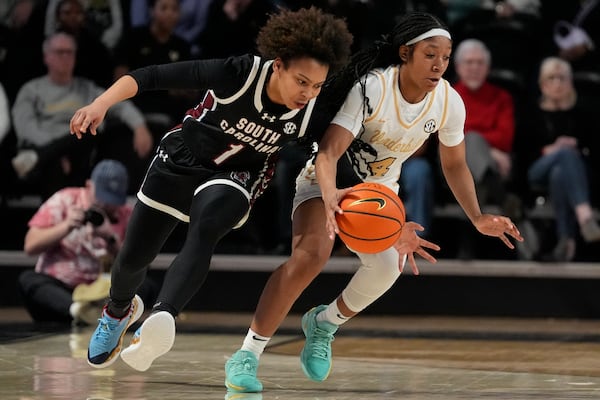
[410, 243]
[332, 206]
[87, 118]
[498, 226]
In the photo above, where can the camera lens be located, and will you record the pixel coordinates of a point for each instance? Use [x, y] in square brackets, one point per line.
[94, 217]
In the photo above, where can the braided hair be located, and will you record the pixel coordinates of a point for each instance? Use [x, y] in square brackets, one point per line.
[382, 53]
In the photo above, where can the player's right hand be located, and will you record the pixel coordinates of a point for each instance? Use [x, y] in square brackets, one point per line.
[332, 207]
[87, 118]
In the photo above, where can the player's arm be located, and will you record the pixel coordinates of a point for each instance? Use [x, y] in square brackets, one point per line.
[225, 74]
[335, 142]
[459, 178]
[337, 138]
[92, 115]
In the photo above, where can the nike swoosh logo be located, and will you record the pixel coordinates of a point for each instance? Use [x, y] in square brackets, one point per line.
[377, 200]
[340, 316]
[259, 339]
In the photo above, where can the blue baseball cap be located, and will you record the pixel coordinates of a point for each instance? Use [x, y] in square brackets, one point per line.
[111, 182]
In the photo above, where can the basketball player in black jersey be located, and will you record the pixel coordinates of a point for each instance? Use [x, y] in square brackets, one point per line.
[209, 170]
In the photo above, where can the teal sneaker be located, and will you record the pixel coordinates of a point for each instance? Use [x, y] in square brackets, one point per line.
[316, 353]
[240, 373]
[151, 340]
[107, 340]
[243, 396]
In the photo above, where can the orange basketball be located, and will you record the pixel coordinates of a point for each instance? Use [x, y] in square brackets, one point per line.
[373, 218]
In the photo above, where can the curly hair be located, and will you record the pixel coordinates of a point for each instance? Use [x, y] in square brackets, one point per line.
[307, 32]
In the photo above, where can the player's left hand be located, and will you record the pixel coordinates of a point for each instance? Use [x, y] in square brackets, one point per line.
[410, 243]
[498, 226]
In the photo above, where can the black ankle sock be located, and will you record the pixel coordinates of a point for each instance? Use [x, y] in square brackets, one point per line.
[118, 309]
[161, 306]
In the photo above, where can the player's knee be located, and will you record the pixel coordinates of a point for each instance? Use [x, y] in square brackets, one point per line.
[306, 264]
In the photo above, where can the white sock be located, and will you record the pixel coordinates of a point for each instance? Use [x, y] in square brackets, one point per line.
[255, 343]
[332, 314]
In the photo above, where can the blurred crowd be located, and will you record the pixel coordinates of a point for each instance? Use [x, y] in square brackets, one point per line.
[528, 71]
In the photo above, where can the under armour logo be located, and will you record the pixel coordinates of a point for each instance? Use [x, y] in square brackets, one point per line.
[162, 155]
[267, 117]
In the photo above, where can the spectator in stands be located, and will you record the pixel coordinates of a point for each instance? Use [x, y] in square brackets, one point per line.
[76, 233]
[103, 18]
[49, 157]
[192, 18]
[489, 132]
[94, 59]
[489, 125]
[558, 126]
[232, 26]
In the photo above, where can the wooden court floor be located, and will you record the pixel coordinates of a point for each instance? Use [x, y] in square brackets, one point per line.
[375, 357]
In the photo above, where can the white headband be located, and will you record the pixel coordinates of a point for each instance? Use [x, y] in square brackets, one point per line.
[430, 33]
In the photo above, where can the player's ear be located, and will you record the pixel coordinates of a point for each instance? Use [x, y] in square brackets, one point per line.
[403, 53]
[277, 64]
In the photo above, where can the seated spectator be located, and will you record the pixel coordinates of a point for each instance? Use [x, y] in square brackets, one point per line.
[559, 126]
[49, 157]
[489, 132]
[192, 18]
[489, 125]
[103, 18]
[76, 233]
[94, 59]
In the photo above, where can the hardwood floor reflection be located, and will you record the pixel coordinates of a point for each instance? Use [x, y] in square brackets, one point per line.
[374, 358]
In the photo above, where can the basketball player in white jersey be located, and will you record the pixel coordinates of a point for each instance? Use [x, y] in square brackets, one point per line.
[397, 99]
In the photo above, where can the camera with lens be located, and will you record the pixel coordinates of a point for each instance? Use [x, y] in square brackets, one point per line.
[93, 216]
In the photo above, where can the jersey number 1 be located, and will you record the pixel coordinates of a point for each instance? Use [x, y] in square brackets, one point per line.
[233, 149]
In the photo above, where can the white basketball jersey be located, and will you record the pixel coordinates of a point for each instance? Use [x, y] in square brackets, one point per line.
[390, 130]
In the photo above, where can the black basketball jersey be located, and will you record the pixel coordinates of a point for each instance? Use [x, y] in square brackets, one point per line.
[235, 126]
[243, 130]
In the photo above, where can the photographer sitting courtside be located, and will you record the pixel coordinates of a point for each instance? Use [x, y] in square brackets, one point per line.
[76, 232]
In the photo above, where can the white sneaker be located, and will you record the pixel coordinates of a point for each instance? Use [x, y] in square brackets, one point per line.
[24, 162]
[151, 340]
